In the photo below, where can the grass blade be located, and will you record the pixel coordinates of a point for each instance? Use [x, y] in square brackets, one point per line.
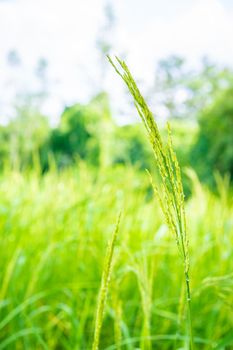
[104, 287]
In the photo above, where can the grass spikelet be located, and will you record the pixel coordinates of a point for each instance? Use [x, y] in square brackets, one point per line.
[104, 286]
[170, 192]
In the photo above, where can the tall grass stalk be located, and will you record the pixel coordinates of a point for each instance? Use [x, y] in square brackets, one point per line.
[117, 305]
[104, 286]
[169, 192]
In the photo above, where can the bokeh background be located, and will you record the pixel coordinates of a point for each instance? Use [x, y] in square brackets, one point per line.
[73, 152]
[60, 97]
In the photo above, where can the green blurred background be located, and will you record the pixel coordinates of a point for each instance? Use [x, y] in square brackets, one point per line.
[73, 154]
[202, 127]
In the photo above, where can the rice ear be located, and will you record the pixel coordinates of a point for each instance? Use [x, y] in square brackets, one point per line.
[170, 189]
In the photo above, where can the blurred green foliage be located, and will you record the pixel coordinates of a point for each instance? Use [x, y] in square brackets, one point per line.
[200, 104]
[131, 146]
[54, 234]
[22, 138]
[213, 149]
[78, 135]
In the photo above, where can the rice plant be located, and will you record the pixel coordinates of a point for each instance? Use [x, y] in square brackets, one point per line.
[50, 264]
[104, 287]
[169, 192]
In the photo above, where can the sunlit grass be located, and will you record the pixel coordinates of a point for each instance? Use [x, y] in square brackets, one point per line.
[54, 233]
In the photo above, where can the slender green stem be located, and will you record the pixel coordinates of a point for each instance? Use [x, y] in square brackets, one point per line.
[104, 287]
[190, 326]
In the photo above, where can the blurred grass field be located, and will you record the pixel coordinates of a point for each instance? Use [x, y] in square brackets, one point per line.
[95, 252]
[54, 231]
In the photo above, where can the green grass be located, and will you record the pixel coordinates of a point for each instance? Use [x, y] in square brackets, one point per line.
[54, 232]
[106, 278]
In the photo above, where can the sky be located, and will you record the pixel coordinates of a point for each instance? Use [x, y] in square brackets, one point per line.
[65, 32]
